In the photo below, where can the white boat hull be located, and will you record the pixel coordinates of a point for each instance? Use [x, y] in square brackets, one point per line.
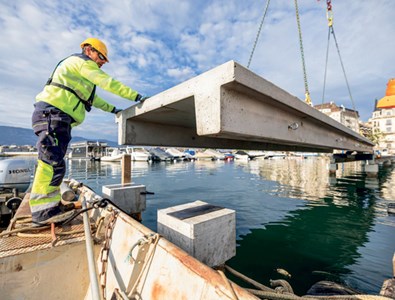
[112, 158]
[138, 154]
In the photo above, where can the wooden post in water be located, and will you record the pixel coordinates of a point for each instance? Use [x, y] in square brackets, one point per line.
[126, 178]
[393, 265]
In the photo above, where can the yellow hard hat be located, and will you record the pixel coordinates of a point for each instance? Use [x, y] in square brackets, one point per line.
[97, 44]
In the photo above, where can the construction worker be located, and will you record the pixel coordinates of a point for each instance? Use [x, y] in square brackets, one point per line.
[68, 93]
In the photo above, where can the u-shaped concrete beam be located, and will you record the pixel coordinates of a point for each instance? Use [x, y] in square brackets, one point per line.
[231, 107]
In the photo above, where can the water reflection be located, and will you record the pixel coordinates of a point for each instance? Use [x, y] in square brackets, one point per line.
[323, 240]
[298, 178]
[387, 184]
[290, 213]
[84, 169]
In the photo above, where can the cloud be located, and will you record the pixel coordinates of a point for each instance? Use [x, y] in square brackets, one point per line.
[181, 73]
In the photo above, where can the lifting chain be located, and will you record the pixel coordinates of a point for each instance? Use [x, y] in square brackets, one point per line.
[329, 13]
[329, 16]
[104, 253]
[306, 86]
[258, 34]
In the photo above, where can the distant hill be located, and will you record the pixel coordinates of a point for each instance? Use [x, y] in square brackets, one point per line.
[22, 136]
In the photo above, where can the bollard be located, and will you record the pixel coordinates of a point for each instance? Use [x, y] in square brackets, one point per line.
[332, 168]
[205, 231]
[130, 197]
[372, 169]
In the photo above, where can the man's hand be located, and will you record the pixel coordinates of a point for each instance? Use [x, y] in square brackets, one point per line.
[141, 98]
[116, 110]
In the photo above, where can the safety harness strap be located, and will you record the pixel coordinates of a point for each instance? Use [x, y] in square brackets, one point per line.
[87, 103]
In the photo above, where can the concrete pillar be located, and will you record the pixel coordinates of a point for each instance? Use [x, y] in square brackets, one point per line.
[332, 180]
[372, 169]
[205, 231]
[372, 183]
[129, 197]
[332, 167]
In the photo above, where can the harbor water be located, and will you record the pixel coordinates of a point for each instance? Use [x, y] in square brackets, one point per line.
[290, 214]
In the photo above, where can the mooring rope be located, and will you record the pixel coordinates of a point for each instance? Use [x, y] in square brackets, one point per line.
[265, 292]
[249, 280]
[228, 285]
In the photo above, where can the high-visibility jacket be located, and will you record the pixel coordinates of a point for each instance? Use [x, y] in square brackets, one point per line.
[81, 74]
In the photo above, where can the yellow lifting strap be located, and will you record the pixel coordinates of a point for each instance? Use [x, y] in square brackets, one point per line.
[308, 99]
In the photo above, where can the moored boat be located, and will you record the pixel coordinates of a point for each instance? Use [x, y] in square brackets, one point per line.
[115, 155]
[216, 155]
[138, 153]
[242, 155]
[202, 155]
[177, 154]
[158, 154]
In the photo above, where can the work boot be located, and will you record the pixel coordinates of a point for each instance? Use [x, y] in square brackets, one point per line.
[58, 218]
[64, 214]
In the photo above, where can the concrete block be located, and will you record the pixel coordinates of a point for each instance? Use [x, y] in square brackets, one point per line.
[205, 231]
[332, 168]
[372, 170]
[128, 196]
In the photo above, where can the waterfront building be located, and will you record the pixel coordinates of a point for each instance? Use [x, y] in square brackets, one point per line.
[345, 116]
[14, 150]
[383, 119]
[87, 150]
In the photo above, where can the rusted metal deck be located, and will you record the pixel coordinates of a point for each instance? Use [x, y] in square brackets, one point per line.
[37, 238]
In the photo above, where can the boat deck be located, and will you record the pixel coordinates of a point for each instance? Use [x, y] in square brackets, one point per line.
[131, 259]
[32, 239]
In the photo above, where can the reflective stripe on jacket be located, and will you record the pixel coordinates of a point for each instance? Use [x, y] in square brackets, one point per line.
[81, 74]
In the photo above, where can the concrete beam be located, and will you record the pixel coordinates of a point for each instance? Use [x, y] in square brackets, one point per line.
[231, 107]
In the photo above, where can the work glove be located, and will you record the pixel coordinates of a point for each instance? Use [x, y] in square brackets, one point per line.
[141, 98]
[116, 110]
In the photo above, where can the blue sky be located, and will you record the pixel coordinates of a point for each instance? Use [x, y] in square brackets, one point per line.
[154, 45]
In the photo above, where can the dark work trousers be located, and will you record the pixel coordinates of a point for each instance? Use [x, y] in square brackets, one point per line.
[53, 128]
